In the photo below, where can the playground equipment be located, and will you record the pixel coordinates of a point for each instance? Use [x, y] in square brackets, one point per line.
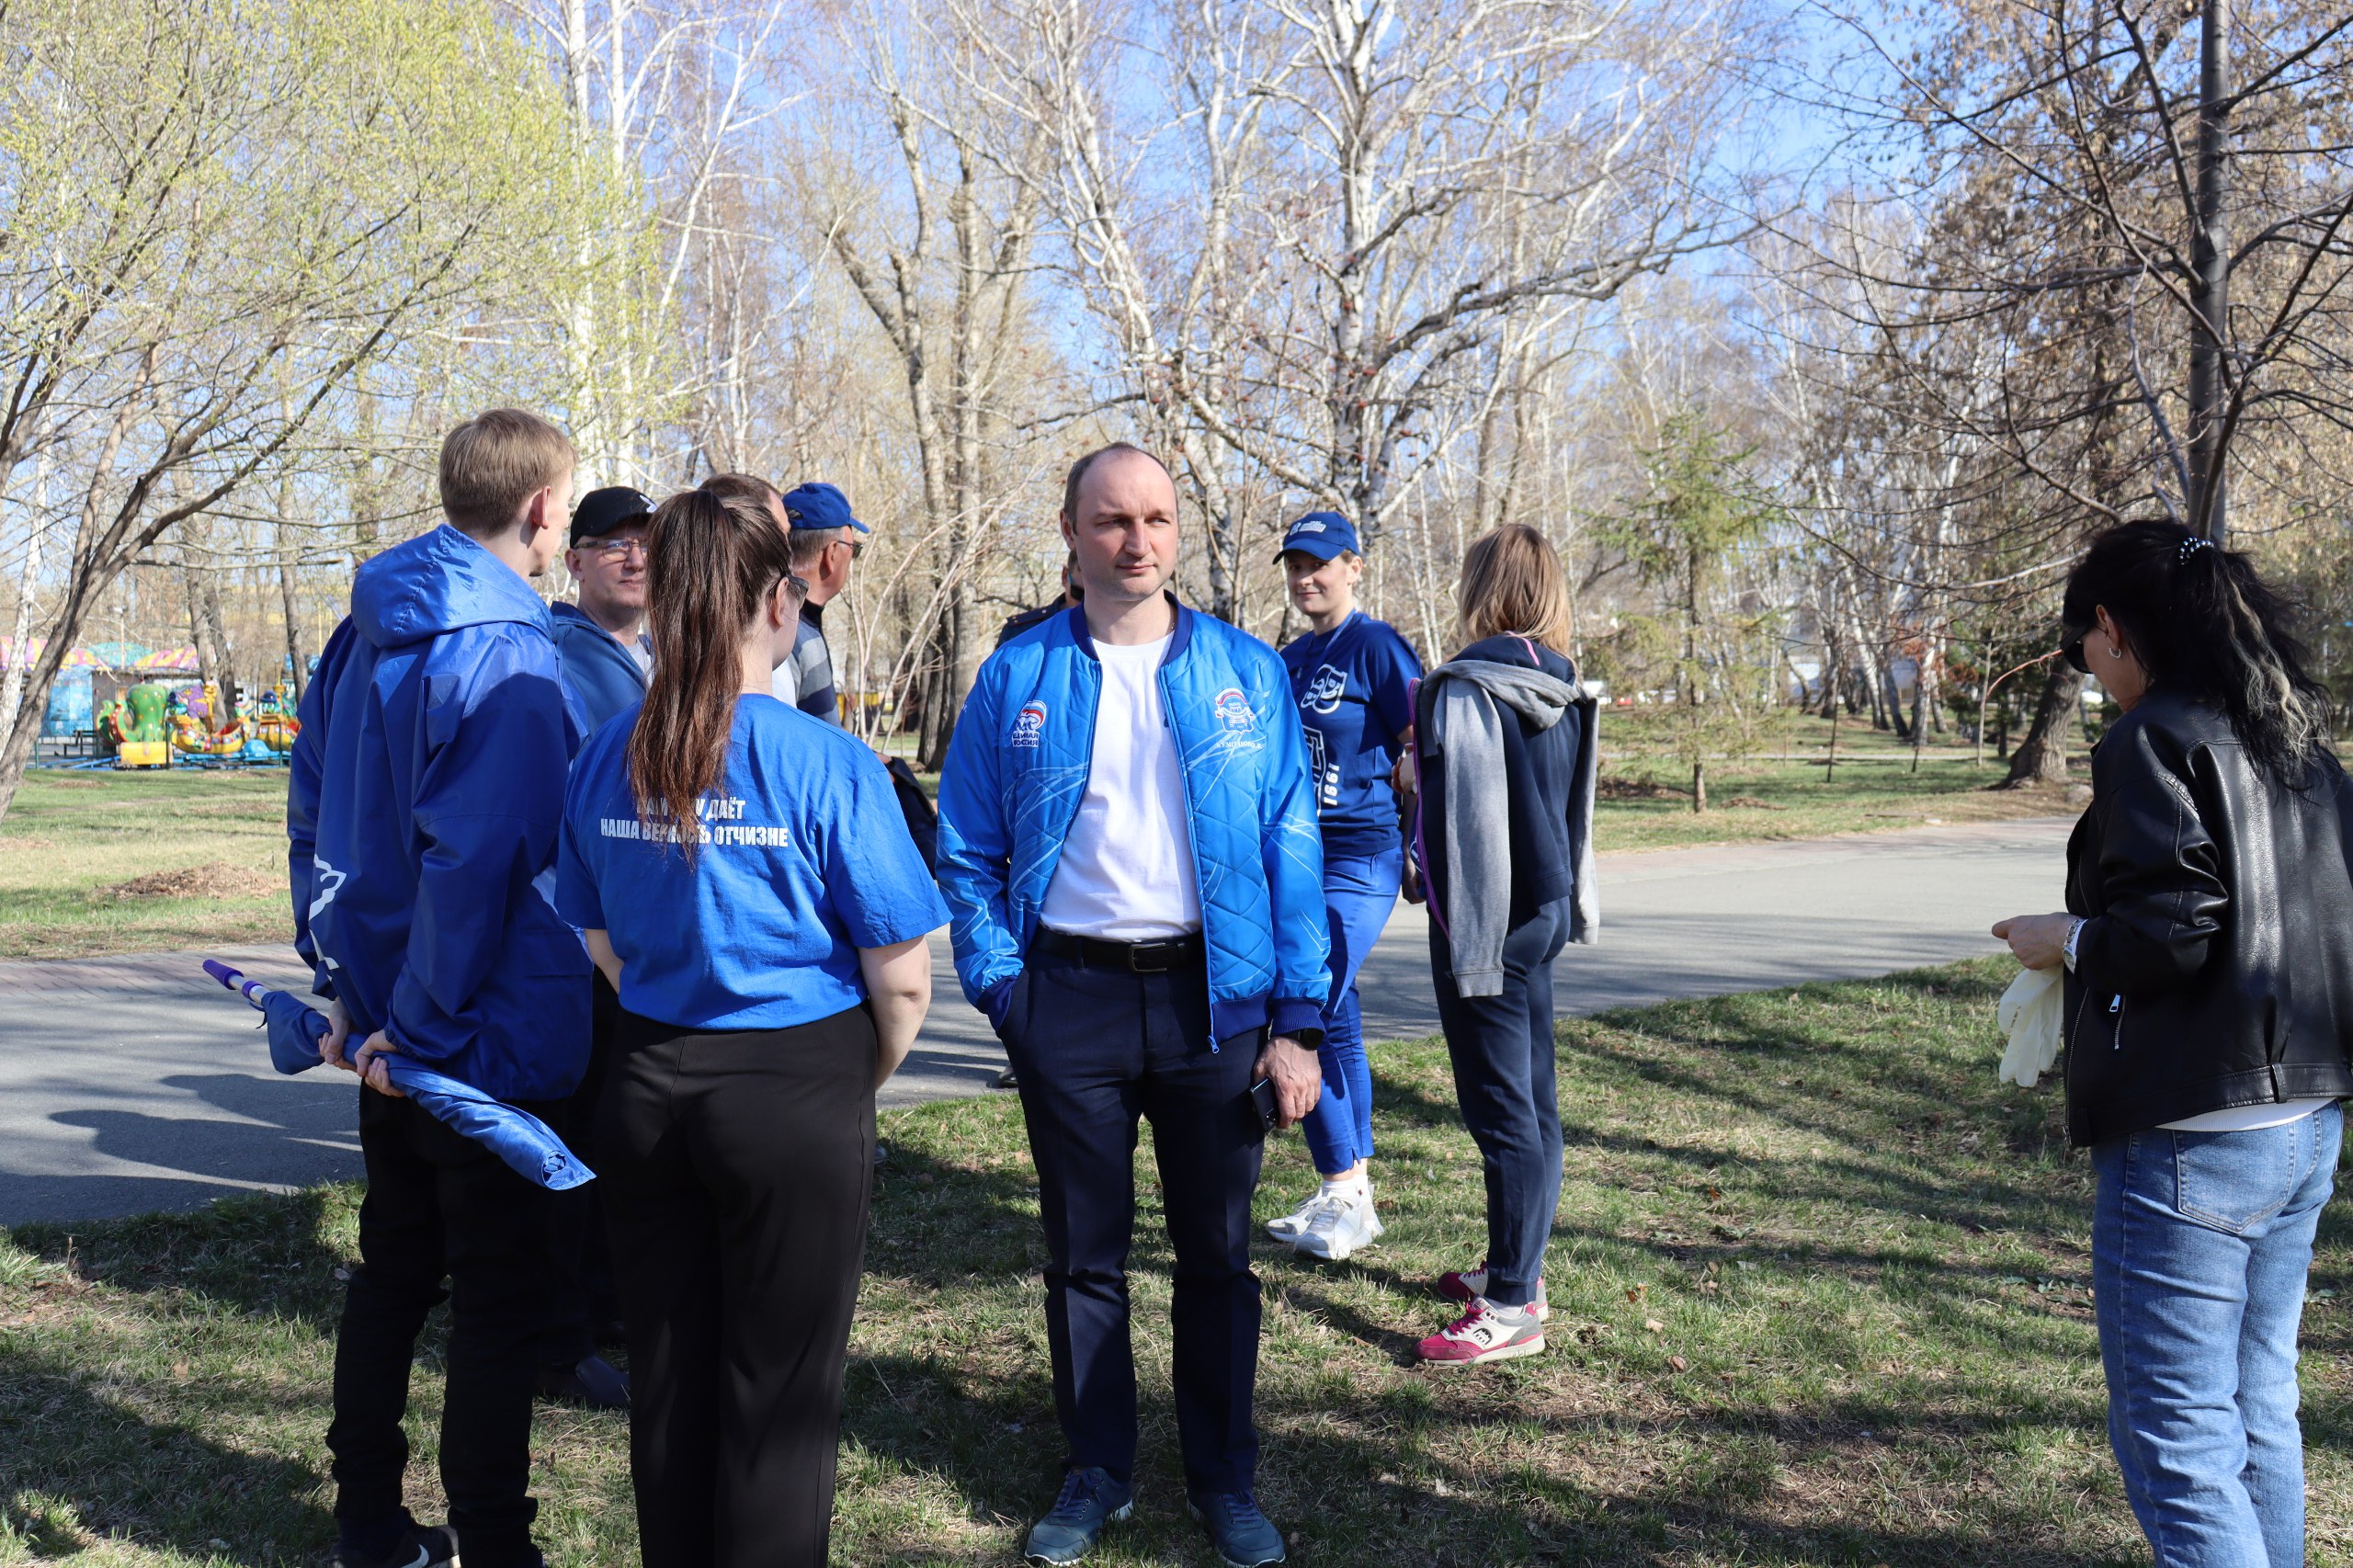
[142, 743]
[273, 724]
[203, 726]
[156, 722]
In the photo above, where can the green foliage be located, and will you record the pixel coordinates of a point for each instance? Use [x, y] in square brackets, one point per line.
[275, 176]
[1700, 506]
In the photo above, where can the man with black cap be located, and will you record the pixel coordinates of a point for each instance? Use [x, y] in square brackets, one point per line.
[600, 642]
[603, 656]
[824, 541]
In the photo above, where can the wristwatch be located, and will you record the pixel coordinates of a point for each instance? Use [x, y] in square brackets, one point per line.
[2067, 949]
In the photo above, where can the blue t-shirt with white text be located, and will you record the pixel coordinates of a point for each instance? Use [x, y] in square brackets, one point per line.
[803, 859]
[1355, 689]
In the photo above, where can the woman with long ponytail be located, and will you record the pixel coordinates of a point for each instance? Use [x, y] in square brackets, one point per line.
[2209, 949]
[746, 881]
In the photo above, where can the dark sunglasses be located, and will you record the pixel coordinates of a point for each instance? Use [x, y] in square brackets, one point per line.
[2071, 650]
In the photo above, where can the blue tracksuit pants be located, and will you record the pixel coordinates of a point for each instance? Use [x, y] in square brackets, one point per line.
[1358, 895]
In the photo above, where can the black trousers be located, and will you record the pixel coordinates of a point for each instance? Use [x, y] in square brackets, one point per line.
[439, 1204]
[1096, 1050]
[1502, 1049]
[737, 1169]
[580, 1290]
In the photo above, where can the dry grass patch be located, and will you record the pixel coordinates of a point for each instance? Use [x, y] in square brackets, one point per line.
[214, 881]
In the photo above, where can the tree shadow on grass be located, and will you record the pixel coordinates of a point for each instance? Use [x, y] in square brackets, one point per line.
[268, 1255]
[80, 1466]
[1348, 1478]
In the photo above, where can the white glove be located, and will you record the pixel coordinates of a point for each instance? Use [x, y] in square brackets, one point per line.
[2029, 1014]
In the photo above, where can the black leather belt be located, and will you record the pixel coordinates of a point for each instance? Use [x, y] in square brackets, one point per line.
[1136, 958]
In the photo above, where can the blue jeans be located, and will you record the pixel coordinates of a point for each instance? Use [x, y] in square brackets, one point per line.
[1502, 1050]
[2200, 1243]
[1357, 897]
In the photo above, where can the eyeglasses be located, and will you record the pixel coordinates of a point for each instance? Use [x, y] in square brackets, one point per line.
[800, 585]
[856, 546]
[615, 549]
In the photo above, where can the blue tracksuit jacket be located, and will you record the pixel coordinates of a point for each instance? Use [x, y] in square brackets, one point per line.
[1018, 766]
[426, 788]
[599, 676]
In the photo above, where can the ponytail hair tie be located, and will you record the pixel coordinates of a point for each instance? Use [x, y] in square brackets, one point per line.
[2191, 546]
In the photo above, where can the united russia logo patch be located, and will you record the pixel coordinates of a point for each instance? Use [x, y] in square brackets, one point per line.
[1234, 711]
[1027, 722]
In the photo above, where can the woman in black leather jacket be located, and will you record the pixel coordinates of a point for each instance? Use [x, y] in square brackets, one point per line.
[2209, 944]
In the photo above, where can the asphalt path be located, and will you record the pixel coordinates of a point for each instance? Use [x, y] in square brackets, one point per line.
[134, 1084]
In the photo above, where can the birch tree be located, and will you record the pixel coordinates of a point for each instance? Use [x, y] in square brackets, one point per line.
[224, 211]
[1329, 234]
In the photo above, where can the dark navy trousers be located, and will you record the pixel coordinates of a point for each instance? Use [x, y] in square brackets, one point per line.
[1501, 1051]
[1096, 1050]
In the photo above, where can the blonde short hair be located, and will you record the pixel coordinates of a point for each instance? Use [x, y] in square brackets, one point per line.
[494, 462]
[1512, 586]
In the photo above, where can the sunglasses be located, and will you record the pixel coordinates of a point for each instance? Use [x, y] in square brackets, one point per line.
[2071, 650]
[615, 549]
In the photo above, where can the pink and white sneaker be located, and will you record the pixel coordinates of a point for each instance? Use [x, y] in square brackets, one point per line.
[1470, 1284]
[1480, 1335]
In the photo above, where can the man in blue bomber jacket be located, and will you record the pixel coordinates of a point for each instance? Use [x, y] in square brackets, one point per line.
[426, 789]
[1129, 849]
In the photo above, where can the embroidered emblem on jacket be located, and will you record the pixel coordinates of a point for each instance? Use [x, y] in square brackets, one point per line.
[1027, 722]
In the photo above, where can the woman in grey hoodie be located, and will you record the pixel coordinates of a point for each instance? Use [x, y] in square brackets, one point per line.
[1503, 834]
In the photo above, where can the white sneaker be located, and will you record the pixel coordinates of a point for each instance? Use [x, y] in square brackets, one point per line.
[1338, 1228]
[1289, 1226]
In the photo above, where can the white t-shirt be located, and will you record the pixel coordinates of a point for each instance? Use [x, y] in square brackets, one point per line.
[2247, 1118]
[1126, 873]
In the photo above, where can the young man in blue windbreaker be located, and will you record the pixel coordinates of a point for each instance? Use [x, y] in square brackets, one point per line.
[1129, 849]
[426, 792]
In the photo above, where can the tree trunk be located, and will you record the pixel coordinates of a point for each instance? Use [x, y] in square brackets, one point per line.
[2041, 756]
[300, 675]
[19, 668]
[206, 670]
[1699, 785]
[1920, 710]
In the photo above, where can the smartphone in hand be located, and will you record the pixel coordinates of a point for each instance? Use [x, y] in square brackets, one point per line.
[1262, 1096]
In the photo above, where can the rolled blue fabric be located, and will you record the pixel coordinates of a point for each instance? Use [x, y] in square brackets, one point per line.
[528, 1146]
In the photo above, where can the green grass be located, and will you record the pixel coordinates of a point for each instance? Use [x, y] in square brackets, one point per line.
[1783, 788]
[1820, 1290]
[73, 837]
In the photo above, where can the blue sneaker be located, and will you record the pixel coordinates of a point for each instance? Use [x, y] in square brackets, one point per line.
[1243, 1537]
[1090, 1499]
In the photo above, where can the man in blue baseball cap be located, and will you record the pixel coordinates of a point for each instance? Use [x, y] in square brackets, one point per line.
[824, 541]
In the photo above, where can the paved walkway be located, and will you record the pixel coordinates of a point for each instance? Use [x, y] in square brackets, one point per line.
[136, 1084]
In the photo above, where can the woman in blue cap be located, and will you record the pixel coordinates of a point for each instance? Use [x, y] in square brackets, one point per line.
[1354, 677]
[745, 880]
